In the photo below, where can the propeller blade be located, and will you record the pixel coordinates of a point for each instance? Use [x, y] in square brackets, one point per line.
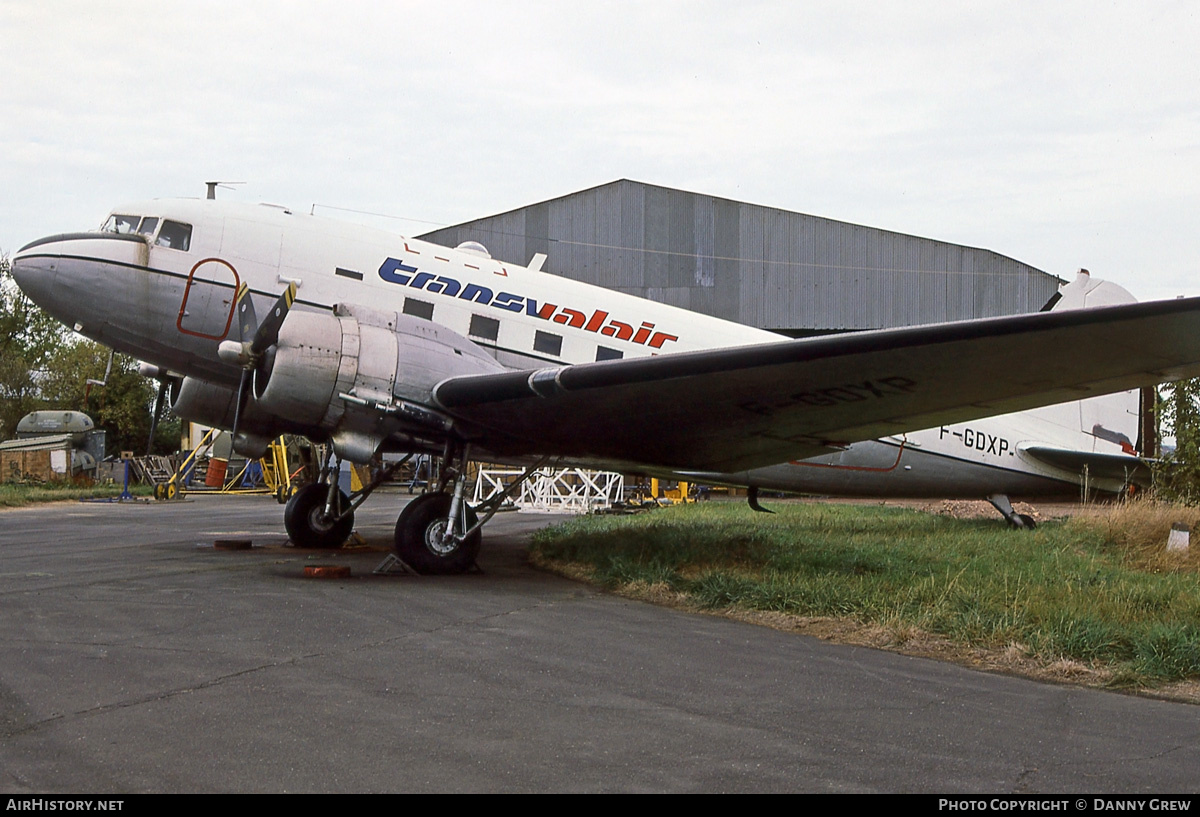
[247, 320]
[256, 339]
[268, 331]
[242, 396]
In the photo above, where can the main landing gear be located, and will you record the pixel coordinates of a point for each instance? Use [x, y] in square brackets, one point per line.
[436, 533]
[428, 543]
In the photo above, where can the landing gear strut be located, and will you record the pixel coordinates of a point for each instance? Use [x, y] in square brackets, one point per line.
[436, 533]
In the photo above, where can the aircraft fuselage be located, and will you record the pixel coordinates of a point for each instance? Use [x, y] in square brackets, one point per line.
[160, 283]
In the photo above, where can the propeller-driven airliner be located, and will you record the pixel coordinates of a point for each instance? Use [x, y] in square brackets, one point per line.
[265, 321]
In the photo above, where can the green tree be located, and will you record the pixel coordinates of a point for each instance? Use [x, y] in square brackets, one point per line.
[1177, 476]
[122, 406]
[29, 340]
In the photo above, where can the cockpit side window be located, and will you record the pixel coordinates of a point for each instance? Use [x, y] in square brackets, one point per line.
[147, 226]
[175, 235]
[121, 224]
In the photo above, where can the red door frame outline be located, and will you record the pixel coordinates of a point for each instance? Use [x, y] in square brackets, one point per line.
[237, 280]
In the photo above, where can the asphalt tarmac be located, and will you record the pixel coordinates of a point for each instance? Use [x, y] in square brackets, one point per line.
[136, 658]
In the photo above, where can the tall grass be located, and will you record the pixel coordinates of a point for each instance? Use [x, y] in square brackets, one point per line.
[1098, 590]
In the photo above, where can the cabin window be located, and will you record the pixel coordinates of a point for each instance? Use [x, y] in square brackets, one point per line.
[486, 328]
[604, 353]
[547, 343]
[418, 309]
[175, 235]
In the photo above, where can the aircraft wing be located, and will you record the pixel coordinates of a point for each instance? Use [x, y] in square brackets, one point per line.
[744, 407]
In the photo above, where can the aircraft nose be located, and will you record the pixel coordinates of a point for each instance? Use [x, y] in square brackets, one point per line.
[35, 276]
[56, 271]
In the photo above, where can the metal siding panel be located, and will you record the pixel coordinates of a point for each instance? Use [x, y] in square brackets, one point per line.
[805, 255]
[703, 234]
[632, 203]
[537, 232]
[680, 263]
[726, 297]
[781, 295]
[704, 300]
[675, 296]
[561, 248]
[753, 300]
[609, 234]
[657, 236]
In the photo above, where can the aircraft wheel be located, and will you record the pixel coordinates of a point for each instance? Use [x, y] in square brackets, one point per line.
[304, 519]
[419, 532]
[1021, 521]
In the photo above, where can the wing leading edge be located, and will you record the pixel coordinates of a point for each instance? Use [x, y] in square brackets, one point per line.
[744, 407]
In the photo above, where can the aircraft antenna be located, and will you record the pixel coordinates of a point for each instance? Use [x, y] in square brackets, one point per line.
[212, 187]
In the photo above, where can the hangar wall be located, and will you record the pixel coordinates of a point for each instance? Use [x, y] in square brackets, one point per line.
[761, 266]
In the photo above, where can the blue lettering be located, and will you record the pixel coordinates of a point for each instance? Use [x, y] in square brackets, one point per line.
[391, 269]
[544, 311]
[421, 279]
[509, 302]
[395, 271]
[444, 285]
[476, 293]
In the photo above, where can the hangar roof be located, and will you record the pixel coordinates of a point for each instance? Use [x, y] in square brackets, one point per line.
[771, 268]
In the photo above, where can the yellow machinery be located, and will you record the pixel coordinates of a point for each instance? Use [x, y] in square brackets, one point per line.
[276, 479]
[676, 495]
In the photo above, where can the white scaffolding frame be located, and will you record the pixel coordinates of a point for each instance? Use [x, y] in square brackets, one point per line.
[555, 490]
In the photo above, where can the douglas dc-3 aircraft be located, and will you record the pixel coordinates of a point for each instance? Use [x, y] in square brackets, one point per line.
[378, 343]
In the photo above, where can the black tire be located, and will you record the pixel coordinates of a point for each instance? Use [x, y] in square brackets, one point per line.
[418, 537]
[1027, 522]
[305, 527]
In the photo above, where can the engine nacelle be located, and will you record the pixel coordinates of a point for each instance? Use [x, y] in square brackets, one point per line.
[211, 405]
[359, 375]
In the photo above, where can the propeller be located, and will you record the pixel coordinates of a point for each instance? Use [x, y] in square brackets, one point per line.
[255, 340]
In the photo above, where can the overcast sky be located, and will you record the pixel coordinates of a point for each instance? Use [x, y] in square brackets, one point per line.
[1062, 134]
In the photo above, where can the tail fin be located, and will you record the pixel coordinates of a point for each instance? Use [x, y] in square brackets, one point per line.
[1110, 422]
[1086, 291]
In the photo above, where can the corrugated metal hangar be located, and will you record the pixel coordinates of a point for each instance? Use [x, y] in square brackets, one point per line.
[789, 272]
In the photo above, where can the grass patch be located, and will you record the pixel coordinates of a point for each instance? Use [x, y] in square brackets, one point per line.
[16, 495]
[1097, 591]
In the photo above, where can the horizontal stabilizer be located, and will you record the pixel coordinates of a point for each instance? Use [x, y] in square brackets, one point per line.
[1099, 465]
